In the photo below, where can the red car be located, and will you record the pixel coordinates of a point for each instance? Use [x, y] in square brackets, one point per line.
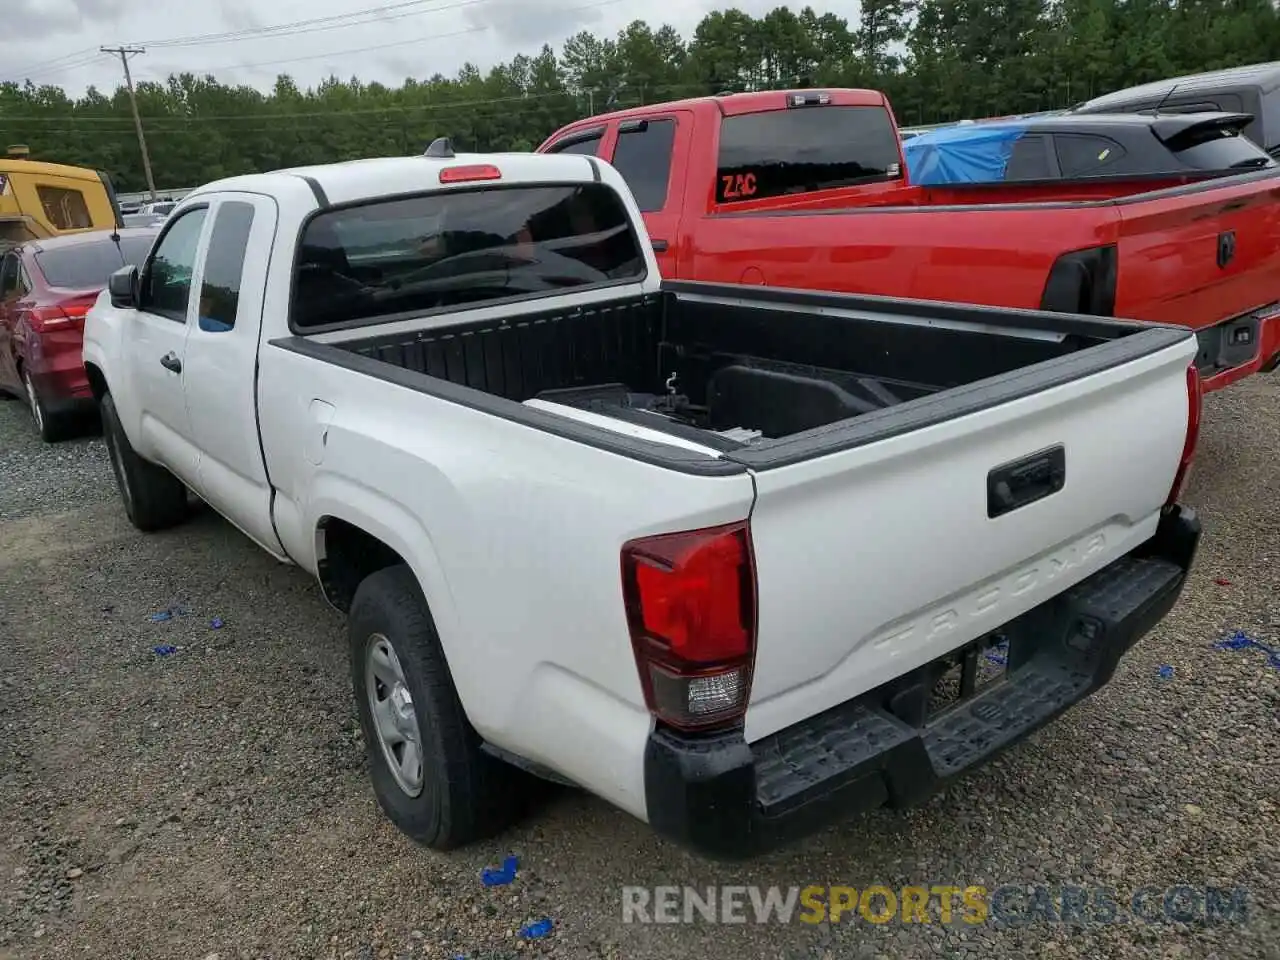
[46, 288]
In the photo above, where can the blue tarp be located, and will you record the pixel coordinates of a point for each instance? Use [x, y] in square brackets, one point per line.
[972, 153]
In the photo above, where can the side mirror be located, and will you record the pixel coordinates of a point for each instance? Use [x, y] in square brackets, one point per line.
[123, 287]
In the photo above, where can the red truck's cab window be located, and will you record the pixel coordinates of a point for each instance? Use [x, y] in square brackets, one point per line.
[782, 152]
[643, 157]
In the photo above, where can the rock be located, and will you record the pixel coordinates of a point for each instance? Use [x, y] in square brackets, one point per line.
[75, 873]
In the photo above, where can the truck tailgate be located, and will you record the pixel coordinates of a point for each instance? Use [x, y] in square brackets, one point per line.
[1201, 257]
[875, 560]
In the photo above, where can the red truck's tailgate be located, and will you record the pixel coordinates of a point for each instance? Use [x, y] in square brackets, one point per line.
[1198, 256]
[878, 559]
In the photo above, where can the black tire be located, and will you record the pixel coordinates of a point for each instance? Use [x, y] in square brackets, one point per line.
[153, 497]
[466, 794]
[50, 426]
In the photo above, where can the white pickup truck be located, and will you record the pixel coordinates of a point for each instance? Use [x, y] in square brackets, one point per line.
[735, 559]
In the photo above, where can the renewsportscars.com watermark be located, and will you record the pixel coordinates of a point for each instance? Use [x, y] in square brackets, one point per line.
[1013, 905]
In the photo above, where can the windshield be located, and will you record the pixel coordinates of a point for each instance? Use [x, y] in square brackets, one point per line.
[799, 150]
[453, 248]
[87, 265]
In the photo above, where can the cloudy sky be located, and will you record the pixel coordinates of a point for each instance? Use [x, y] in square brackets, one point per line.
[57, 41]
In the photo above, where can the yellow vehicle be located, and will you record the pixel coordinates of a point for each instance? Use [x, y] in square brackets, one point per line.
[51, 199]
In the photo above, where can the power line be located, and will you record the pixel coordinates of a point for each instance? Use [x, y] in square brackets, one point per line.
[333, 22]
[321, 56]
[380, 46]
[268, 120]
[50, 67]
[125, 53]
[268, 116]
[337, 21]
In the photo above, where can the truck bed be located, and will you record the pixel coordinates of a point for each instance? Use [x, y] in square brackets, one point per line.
[732, 367]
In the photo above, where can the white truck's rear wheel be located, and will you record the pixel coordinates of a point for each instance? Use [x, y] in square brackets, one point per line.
[153, 497]
[429, 773]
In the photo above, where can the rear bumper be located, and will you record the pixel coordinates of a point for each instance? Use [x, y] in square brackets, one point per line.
[61, 380]
[728, 799]
[1264, 360]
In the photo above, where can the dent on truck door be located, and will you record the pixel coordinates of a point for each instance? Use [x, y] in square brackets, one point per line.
[155, 336]
[222, 364]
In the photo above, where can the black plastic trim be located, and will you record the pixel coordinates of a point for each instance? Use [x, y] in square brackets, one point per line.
[595, 169]
[956, 402]
[672, 458]
[578, 136]
[111, 197]
[1012, 318]
[317, 191]
[729, 800]
[1129, 341]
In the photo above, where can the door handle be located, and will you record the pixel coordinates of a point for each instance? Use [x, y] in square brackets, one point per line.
[170, 361]
[659, 246]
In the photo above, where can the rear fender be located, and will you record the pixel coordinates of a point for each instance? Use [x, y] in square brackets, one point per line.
[343, 499]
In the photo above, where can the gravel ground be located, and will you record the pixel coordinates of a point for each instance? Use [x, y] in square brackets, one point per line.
[214, 802]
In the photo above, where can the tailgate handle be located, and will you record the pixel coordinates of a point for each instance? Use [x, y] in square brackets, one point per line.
[1020, 482]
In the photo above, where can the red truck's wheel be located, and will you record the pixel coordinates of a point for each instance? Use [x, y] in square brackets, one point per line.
[429, 773]
[153, 497]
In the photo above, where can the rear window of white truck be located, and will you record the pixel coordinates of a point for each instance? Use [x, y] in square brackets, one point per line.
[460, 248]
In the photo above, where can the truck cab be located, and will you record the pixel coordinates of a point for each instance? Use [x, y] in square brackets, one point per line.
[684, 545]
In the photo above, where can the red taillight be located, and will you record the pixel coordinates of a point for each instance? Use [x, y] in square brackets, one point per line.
[1195, 400]
[691, 608]
[470, 173]
[63, 314]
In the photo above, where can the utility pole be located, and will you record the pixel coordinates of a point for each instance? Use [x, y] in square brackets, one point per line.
[124, 53]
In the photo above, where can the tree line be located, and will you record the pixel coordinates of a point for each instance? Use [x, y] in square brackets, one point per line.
[937, 60]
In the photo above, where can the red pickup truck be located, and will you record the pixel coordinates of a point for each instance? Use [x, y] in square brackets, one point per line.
[808, 189]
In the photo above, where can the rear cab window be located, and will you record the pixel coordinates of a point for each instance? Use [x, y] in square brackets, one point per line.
[460, 248]
[801, 150]
[87, 265]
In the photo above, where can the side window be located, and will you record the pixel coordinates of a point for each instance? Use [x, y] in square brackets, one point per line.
[223, 266]
[1085, 155]
[587, 147]
[1029, 160]
[643, 157]
[166, 284]
[65, 208]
